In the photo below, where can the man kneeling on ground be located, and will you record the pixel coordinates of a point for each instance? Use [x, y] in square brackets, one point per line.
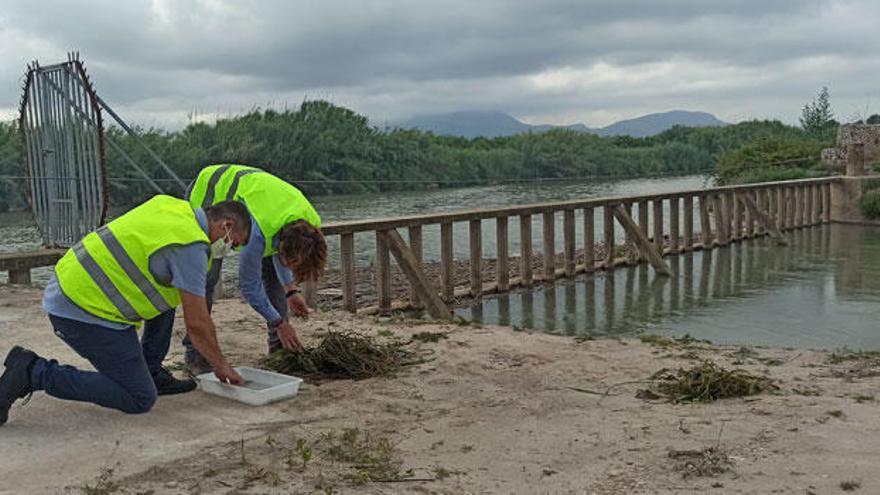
[137, 268]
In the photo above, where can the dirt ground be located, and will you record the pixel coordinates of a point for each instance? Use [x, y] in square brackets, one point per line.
[490, 411]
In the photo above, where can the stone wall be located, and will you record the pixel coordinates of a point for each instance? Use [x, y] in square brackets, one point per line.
[867, 134]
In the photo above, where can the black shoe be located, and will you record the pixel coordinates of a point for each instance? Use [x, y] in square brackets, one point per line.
[196, 365]
[166, 384]
[15, 383]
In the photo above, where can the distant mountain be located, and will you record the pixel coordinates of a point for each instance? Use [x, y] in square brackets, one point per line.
[655, 123]
[474, 123]
[470, 124]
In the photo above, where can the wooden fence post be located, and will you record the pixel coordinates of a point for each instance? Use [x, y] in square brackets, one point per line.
[720, 227]
[447, 261]
[657, 207]
[549, 227]
[569, 238]
[415, 245]
[674, 216]
[476, 255]
[705, 227]
[346, 258]
[525, 247]
[609, 235]
[688, 222]
[736, 229]
[643, 222]
[383, 272]
[589, 239]
[781, 208]
[826, 202]
[502, 270]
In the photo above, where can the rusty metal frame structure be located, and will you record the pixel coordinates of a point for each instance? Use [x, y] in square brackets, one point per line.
[63, 151]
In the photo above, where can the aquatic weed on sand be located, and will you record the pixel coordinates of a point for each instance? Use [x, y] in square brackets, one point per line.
[707, 382]
[342, 355]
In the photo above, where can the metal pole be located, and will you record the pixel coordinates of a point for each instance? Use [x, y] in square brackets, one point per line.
[29, 128]
[141, 142]
[133, 164]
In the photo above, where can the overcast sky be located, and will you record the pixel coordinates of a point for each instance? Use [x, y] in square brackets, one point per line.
[543, 61]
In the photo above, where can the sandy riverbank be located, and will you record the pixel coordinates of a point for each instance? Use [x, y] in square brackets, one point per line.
[490, 412]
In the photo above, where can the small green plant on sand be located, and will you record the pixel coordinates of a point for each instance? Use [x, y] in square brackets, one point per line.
[305, 452]
[707, 382]
[373, 458]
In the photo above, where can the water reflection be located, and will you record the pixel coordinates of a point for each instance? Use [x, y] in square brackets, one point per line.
[821, 290]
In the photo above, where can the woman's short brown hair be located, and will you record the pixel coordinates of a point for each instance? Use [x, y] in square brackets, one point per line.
[303, 249]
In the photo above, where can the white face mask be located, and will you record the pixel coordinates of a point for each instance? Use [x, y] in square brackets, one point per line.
[222, 246]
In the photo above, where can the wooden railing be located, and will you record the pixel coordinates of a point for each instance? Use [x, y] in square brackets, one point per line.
[724, 215]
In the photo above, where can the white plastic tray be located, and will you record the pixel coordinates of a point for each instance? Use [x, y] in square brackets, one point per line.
[260, 387]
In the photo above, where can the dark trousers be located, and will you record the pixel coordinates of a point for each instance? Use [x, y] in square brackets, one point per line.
[274, 290]
[124, 365]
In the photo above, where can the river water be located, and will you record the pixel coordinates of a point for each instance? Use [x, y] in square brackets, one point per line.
[821, 291]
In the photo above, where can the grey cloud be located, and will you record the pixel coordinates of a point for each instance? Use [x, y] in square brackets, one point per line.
[162, 59]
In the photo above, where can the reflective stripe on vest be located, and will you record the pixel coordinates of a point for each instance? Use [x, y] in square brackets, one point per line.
[133, 272]
[107, 273]
[238, 175]
[104, 283]
[212, 185]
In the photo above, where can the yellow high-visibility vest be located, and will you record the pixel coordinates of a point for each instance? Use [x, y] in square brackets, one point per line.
[272, 202]
[107, 273]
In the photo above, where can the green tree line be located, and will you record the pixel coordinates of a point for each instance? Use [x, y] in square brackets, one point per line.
[328, 149]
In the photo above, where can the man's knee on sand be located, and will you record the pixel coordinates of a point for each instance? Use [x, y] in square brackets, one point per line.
[141, 401]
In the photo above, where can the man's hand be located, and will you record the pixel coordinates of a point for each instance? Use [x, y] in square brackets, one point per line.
[227, 374]
[298, 306]
[287, 335]
[201, 331]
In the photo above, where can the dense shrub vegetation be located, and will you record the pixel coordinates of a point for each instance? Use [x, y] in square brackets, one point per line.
[327, 149]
